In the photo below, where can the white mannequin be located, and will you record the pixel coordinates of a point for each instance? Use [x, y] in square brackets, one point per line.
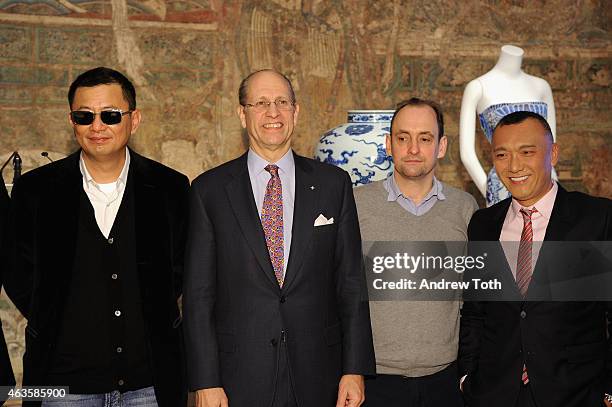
[506, 83]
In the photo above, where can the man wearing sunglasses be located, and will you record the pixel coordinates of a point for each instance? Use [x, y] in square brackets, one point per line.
[97, 260]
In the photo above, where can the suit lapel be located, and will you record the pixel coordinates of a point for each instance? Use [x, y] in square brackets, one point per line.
[68, 185]
[62, 215]
[556, 230]
[498, 218]
[240, 194]
[304, 214]
[144, 201]
[148, 205]
[560, 218]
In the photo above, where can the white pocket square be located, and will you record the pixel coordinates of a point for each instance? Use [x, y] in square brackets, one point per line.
[322, 221]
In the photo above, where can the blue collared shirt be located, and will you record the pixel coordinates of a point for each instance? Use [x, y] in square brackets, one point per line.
[259, 180]
[422, 208]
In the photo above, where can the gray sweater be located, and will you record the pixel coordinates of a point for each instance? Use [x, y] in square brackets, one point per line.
[414, 338]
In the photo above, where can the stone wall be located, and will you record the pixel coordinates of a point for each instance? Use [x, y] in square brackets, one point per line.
[188, 57]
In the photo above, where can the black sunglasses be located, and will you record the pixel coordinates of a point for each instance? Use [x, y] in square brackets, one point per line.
[85, 117]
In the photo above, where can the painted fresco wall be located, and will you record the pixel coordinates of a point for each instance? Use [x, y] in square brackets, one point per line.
[188, 57]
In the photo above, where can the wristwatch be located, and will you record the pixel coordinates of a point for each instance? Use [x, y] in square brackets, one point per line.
[608, 397]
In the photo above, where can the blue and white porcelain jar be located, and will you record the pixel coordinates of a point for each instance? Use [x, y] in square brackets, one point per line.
[358, 147]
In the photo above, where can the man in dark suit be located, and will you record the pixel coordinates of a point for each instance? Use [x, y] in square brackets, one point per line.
[530, 352]
[6, 371]
[97, 260]
[275, 304]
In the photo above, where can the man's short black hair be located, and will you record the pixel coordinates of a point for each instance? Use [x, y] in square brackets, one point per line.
[104, 76]
[242, 89]
[521, 116]
[422, 102]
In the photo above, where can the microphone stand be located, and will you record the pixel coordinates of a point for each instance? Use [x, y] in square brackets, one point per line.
[16, 165]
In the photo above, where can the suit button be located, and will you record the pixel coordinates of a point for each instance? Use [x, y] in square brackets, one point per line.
[523, 314]
[283, 299]
[273, 342]
[119, 349]
[120, 382]
[114, 276]
[117, 313]
[110, 240]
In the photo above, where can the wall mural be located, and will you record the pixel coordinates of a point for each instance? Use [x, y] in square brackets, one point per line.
[188, 57]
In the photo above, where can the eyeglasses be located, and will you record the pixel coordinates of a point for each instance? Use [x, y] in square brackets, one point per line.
[263, 105]
[109, 117]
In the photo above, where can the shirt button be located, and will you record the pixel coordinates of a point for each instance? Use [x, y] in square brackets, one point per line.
[120, 382]
[114, 276]
[117, 313]
[119, 349]
[110, 240]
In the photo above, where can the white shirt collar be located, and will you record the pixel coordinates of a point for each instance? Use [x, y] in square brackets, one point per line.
[121, 181]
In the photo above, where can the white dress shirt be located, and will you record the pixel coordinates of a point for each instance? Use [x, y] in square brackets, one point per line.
[105, 198]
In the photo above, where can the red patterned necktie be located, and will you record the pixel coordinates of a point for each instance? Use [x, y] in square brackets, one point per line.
[524, 265]
[524, 260]
[272, 221]
[525, 376]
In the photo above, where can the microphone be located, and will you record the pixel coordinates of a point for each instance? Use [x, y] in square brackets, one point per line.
[16, 166]
[46, 155]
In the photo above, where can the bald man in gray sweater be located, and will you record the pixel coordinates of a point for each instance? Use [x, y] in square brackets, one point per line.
[415, 342]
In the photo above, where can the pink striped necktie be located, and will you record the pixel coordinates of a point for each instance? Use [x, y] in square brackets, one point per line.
[272, 222]
[524, 265]
[524, 258]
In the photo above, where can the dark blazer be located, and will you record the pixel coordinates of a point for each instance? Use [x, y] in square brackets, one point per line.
[234, 309]
[45, 208]
[6, 371]
[563, 344]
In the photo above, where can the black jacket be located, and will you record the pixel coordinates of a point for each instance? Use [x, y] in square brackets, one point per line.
[235, 311]
[45, 207]
[562, 343]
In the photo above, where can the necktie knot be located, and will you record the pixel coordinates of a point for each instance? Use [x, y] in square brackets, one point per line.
[527, 214]
[272, 169]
